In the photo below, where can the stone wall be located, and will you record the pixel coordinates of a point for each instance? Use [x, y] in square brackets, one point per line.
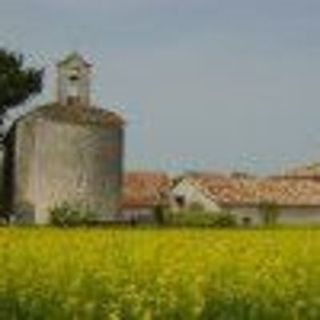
[59, 162]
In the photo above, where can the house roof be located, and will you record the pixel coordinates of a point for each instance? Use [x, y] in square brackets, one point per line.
[77, 114]
[310, 171]
[230, 191]
[145, 189]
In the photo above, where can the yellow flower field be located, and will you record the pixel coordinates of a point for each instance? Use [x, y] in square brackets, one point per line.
[159, 274]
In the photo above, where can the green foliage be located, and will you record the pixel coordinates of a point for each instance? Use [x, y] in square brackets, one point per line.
[17, 83]
[192, 218]
[25, 213]
[270, 212]
[66, 215]
[159, 215]
[196, 206]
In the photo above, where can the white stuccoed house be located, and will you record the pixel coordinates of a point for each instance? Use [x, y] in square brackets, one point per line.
[297, 200]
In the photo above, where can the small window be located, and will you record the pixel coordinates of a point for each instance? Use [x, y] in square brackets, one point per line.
[74, 78]
[246, 221]
[74, 74]
[180, 201]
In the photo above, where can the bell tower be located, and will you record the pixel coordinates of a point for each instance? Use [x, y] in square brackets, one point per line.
[73, 81]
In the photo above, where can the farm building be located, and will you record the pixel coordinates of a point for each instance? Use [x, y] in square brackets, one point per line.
[297, 200]
[143, 193]
[68, 151]
[309, 171]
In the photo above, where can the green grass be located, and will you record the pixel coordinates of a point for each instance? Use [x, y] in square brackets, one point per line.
[159, 274]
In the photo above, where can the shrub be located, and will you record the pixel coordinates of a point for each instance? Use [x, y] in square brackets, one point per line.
[196, 206]
[24, 213]
[159, 215]
[190, 218]
[270, 212]
[225, 219]
[66, 215]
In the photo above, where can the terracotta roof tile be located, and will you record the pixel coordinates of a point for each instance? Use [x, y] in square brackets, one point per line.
[230, 191]
[145, 189]
[311, 171]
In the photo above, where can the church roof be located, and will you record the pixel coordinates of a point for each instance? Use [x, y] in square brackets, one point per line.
[77, 114]
[74, 56]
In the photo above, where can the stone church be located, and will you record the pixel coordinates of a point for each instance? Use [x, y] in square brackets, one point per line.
[68, 151]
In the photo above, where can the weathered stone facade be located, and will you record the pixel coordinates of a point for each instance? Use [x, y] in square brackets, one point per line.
[64, 153]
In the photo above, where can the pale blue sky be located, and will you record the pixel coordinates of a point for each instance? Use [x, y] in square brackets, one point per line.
[204, 84]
